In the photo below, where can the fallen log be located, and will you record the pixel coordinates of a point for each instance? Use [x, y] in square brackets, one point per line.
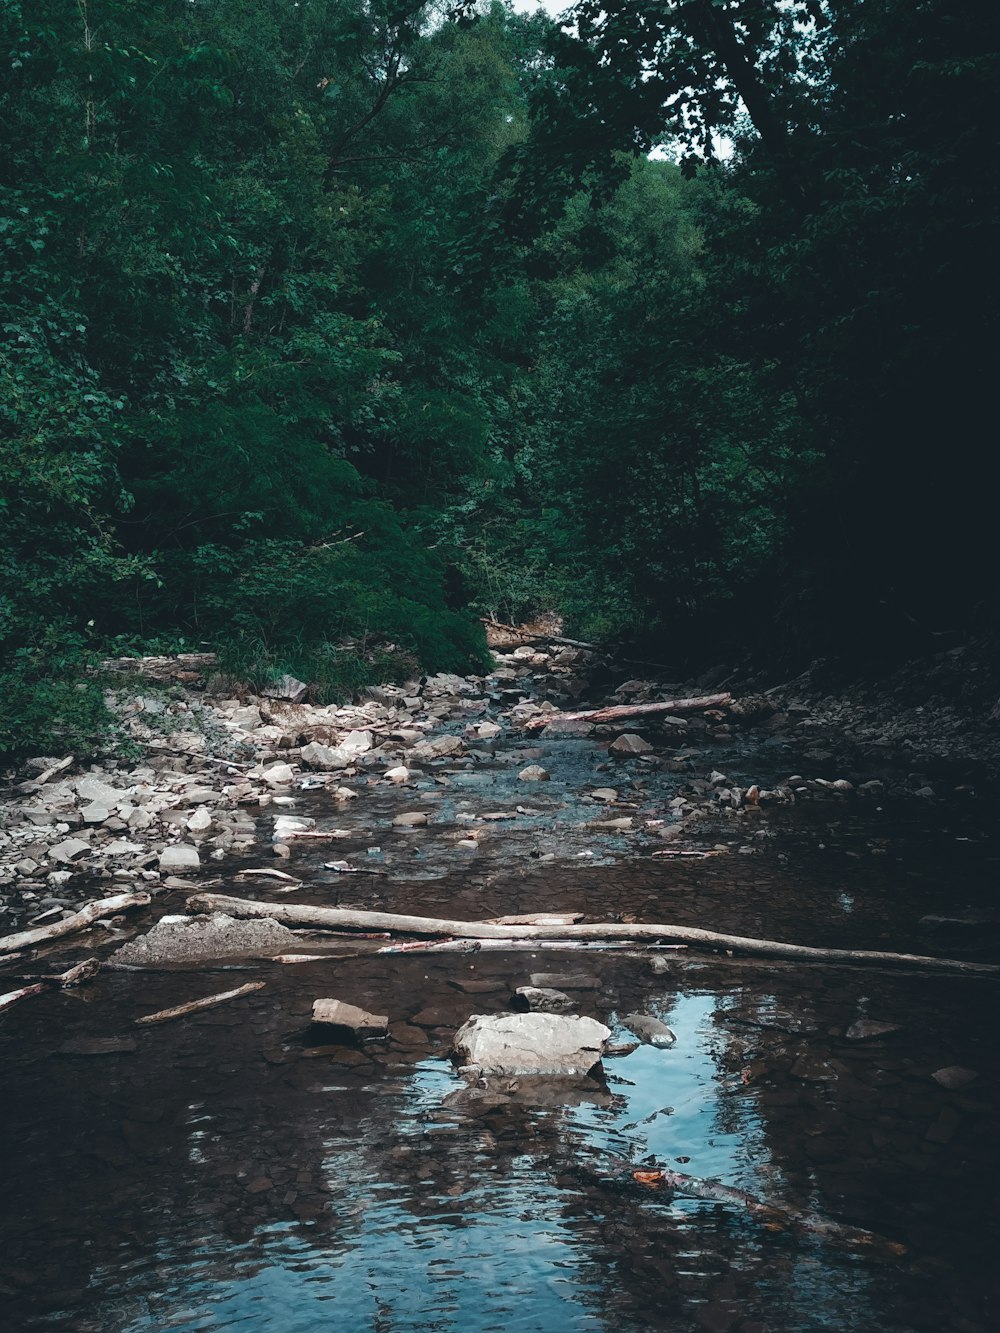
[775, 1215]
[302, 915]
[75, 976]
[87, 915]
[621, 712]
[193, 1006]
[12, 996]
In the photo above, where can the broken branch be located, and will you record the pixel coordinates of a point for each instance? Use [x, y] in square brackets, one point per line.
[193, 1006]
[620, 712]
[86, 916]
[298, 914]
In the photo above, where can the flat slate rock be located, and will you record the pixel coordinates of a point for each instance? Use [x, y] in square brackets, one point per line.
[867, 1029]
[477, 987]
[565, 981]
[98, 1046]
[554, 1045]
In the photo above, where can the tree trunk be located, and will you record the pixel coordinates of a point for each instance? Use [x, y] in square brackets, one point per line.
[621, 712]
[302, 915]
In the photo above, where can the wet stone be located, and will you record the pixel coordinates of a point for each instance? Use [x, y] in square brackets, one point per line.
[339, 1014]
[543, 1000]
[565, 981]
[954, 1076]
[866, 1029]
[652, 1031]
[98, 1046]
[477, 986]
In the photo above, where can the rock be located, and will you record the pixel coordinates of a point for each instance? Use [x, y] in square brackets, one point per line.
[286, 687]
[410, 819]
[398, 774]
[93, 790]
[98, 1046]
[247, 719]
[182, 939]
[533, 773]
[650, 1030]
[200, 821]
[437, 747]
[338, 1014]
[122, 847]
[345, 794]
[541, 1000]
[626, 746]
[70, 849]
[179, 859]
[326, 758]
[866, 1029]
[555, 1045]
[285, 825]
[279, 775]
[607, 794]
[488, 731]
[565, 981]
[954, 1076]
[356, 742]
[95, 813]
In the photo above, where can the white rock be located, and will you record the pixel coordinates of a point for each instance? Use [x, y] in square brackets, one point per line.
[326, 758]
[278, 775]
[559, 1045]
[200, 821]
[70, 849]
[410, 819]
[94, 790]
[247, 719]
[488, 731]
[533, 773]
[181, 859]
[289, 824]
[286, 687]
[437, 747]
[95, 813]
[356, 742]
[629, 745]
[398, 774]
[345, 794]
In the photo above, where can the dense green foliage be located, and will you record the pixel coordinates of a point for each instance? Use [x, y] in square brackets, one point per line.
[342, 322]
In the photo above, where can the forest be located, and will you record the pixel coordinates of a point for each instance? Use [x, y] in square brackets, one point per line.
[330, 327]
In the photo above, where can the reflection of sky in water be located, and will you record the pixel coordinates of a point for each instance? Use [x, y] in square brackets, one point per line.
[505, 1250]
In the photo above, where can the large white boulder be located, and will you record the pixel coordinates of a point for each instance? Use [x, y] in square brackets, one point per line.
[556, 1045]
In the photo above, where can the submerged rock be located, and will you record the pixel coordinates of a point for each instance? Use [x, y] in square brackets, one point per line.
[652, 1031]
[541, 1000]
[556, 1045]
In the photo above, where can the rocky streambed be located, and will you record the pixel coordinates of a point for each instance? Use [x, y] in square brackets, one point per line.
[246, 1164]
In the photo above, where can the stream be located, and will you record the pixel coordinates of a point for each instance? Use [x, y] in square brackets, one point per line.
[237, 1170]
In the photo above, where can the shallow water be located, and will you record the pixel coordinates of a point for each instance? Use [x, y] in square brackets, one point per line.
[237, 1171]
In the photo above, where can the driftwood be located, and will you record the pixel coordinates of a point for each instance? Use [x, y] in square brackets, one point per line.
[296, 914]
[622, 712]
[87, 915]
[193, 1006]
[74, 977]
[12, 996]
[776, 1216]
